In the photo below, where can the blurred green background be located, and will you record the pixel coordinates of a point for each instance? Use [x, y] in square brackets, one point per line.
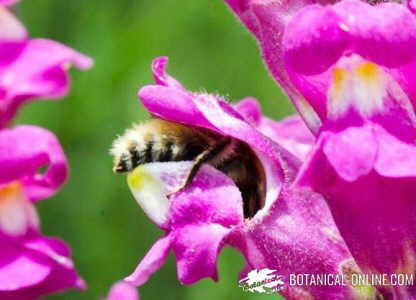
[94, 212]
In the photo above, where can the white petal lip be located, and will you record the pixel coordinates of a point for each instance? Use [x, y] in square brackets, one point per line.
[151, 183]
[17, 213]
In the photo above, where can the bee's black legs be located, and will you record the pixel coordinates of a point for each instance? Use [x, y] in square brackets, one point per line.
[205, 157]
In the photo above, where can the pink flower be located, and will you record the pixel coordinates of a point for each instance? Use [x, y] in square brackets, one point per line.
[31, 264]
[350, 70]
[293, 233]
[31, 68]
[35, 69]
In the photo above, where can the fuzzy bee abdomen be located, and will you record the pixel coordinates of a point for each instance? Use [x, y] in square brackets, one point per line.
[154, 150]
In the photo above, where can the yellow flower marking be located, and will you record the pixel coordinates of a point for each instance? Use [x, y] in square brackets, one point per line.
[138, 178]
[339, 77]
[10, 192]
[149, 192]
[17, 213]
[360, 86]
[368, 72]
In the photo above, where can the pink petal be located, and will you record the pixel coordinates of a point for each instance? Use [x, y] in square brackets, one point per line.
[152, 262]
[23, 272]
[160, 76]
[35, 69]
[314, 35]
[23, 150]
[250, 109]
[196, 249]
[358, 154]
[123, 291]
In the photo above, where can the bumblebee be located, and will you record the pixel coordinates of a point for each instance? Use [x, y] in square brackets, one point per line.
[161, 141]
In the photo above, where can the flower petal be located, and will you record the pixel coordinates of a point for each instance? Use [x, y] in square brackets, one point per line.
[39, 70]
[199, 217]
[25, 149]
[315, 29]
[17, 214]
[24, 271]
[11, 30]
[160, 76]
[358, 155]
[152, 262]
[379, 31]
[33, 265]
[291, 133]
[394, 158]
[196, 249]
[297, 237]
[123, 291]
[250, 109]
[267, 20]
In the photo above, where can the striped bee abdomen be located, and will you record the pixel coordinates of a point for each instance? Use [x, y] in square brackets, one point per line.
[162, 141]
[157, 141]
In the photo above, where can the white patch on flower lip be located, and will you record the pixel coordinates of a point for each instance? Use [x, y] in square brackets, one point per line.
[151, 183]
[339, 97]
[17, 213]
[369, 88]
[359, 85]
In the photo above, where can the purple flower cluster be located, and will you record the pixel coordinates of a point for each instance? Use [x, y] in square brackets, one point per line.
[340, 179]
[31, 264]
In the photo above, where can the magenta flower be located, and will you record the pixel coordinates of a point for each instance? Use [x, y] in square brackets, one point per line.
[31, 264]
[293, 232]
[350, 70]
[31, 68]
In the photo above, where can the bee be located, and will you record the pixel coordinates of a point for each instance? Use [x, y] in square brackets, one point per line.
[161, 141]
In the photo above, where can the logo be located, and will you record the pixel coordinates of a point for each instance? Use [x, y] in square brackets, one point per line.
[264, 281]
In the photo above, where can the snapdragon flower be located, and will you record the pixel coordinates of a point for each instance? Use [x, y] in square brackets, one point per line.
[293, 233]
[32, 265]
[349, 69]
[31, 68]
